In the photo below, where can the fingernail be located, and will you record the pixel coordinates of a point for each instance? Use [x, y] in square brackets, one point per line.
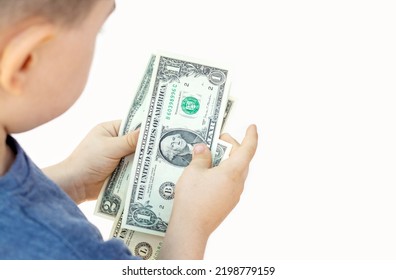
[199, 148]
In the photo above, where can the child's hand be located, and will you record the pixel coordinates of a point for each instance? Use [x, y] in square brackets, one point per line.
[204, 196]
[84, 172]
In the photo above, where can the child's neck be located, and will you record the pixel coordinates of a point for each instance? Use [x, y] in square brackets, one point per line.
[6, 155]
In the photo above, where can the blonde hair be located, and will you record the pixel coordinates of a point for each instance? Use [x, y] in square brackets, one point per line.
[65, 12]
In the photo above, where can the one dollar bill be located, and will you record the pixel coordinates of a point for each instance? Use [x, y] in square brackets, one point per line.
[146, 246]
[111, 199]
[186, 103]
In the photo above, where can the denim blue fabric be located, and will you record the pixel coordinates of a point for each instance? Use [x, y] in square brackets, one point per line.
[38, 220]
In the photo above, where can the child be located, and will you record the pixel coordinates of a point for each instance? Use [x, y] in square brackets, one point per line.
[46, 48]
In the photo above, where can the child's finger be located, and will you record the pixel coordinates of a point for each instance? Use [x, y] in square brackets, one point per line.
[126, 144]
[202, 157]
[242, 156]
[228, 138]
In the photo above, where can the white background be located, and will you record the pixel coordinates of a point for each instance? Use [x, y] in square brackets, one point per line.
[317, 77]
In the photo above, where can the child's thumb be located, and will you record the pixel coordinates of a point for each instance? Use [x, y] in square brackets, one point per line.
[202, 157]
[126, 144]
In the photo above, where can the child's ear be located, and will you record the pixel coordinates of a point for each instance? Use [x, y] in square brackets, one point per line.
[19, 55]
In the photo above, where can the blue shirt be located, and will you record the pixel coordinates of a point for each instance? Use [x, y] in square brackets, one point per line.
[38, 220]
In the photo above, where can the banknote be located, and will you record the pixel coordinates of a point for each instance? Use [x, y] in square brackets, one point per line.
[227, 112]
[148, 246]
[112, 196]
[185, 105]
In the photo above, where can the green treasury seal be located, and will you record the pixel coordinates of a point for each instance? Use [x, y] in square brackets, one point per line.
[190, 105]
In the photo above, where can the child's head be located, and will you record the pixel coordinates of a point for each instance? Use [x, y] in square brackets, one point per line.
[46, 49]
[60, 11]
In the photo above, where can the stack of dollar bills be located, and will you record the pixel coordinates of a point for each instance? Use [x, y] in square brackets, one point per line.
[180, 102]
